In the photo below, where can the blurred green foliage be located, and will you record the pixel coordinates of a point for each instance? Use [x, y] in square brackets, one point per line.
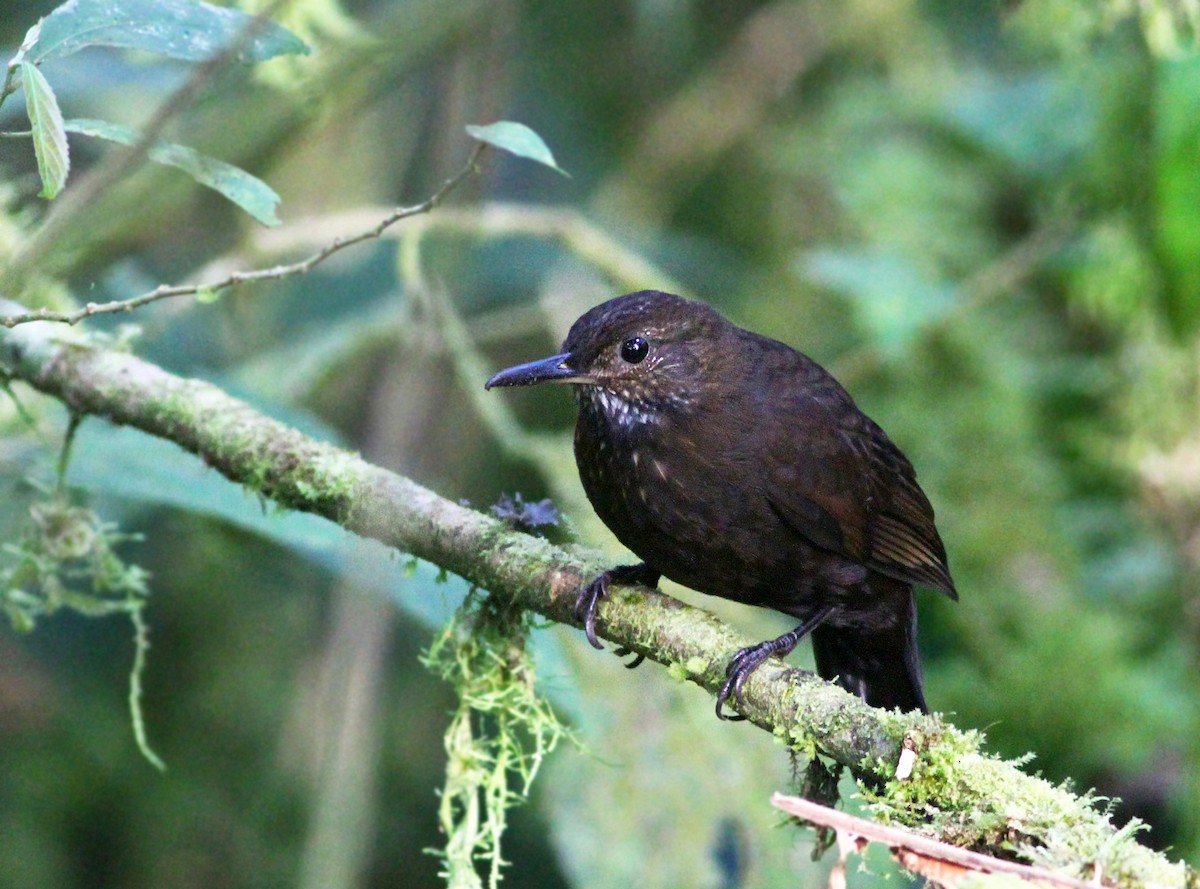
[984, 218]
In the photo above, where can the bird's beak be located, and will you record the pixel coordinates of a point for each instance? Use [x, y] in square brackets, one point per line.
[548, 370]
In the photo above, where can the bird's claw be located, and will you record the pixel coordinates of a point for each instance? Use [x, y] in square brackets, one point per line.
[740, 667]
[587, 603]
[626, 650]
[750, 659]
[588, 600]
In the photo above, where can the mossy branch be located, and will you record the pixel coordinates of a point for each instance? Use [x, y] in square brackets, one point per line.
[956, 792]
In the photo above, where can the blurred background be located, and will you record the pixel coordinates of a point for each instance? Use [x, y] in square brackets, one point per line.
[983, 217]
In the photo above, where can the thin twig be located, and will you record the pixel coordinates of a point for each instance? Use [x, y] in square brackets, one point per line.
[236, 279]
[10, 86]
[584, 239]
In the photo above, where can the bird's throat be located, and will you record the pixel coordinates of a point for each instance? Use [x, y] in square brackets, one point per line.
[621, 410]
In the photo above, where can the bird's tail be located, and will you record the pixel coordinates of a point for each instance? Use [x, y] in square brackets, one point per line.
[872, 658]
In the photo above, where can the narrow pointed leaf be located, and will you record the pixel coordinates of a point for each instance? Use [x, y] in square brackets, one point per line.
[248, 192]
[180, 29]
[518, 139]
[49, 136]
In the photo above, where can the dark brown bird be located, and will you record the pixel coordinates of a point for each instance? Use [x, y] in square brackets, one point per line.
[734, 465]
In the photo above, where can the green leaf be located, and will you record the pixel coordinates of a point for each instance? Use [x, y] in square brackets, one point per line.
[248, 192]
[49, 136]
[181, 29]
[518, 139]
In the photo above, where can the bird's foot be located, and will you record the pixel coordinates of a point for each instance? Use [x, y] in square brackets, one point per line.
[750, 659]
[743, 664]
[589, 598]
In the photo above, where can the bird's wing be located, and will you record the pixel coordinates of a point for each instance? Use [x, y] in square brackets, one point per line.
[836, 479]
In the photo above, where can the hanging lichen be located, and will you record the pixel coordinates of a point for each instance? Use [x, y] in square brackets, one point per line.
[497, 739]
[66, 558]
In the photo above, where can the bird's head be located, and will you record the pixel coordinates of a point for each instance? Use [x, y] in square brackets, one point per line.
[633, 355]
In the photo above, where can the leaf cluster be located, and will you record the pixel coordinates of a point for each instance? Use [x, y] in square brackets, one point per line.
[178, 29]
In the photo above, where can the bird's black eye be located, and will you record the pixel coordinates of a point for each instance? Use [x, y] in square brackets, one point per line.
[634, 350]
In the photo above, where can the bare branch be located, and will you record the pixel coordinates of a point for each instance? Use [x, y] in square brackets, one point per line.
[940, 862]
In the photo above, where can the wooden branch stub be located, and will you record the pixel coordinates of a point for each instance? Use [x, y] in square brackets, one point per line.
[939, 862]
